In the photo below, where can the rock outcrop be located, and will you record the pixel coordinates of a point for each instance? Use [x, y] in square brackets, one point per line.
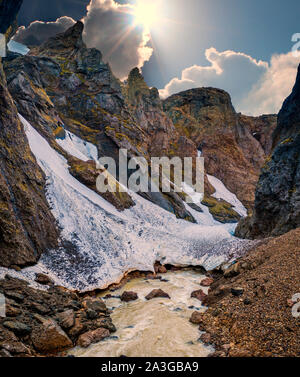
[64, 85]
[27, 227]
[39, 323]
[229, 142]
[277, 201]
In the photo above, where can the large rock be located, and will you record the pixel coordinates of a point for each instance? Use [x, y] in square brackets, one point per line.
[277, 201]
[91, 337]
[26, 224]
[230, 142]
[50, 338]
[129, 296]
[63, 84]
[157, 293]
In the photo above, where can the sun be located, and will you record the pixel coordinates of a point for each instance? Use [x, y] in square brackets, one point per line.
[145, 13]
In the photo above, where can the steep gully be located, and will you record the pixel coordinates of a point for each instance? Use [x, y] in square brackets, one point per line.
[99, 246]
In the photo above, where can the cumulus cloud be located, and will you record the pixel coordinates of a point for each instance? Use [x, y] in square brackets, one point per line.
[109, 27]
[38, 32]
[256, 87]
[268, 94]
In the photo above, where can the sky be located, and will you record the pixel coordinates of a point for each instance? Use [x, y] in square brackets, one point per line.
[241, 46]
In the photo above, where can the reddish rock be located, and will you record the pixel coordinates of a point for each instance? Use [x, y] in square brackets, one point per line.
[156, 293]
[91, 337]
[43, 279]
[50, 338]
[78, 328]
[207, 282]
[162, 270]
[206, 338]
[200, 295]
[196, 318]
[66, 319]
[129, 296]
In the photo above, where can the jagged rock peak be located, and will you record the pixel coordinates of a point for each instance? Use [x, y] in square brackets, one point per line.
[289, 115]
[137, 87]
[277, 205]
[63, 43]
[201, 97]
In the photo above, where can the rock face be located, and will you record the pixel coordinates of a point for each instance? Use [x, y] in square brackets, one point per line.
[27, 226]
[63, 84]
[253, 315]
[48, 322]
[227, 140]
[277, 201]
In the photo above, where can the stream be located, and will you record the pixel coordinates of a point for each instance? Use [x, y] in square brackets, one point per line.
[156, 327]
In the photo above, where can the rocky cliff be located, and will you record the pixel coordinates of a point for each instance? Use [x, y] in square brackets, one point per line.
[27, 227]
[64, 85]
[277, 200]
[234, 146]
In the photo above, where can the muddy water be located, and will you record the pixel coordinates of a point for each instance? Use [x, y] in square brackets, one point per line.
[159, 327]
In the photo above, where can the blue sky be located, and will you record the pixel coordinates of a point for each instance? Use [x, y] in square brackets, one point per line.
[183, 36]
[259, 28]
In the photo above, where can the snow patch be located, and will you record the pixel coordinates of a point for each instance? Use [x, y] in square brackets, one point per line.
[77, 147]
[223, 193]
[99, 244]
[17, 47]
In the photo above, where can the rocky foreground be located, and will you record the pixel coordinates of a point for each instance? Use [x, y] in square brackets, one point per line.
[250, 303]
[46, 323]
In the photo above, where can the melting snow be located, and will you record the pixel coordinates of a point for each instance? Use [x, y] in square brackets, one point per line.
[17, 47]
[223, 193]
[99, 244]
[78, 148]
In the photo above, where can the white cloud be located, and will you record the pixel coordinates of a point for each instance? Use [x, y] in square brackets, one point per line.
[268, 94]
[256, 87]
[109, 27]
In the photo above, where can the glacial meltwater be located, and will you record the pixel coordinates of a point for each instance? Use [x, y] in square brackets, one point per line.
[156, 327]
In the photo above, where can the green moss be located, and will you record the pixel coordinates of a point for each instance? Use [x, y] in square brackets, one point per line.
[286, 141]
[221, 210]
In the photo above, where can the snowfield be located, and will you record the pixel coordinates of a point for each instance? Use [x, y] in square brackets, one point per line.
[100, 244]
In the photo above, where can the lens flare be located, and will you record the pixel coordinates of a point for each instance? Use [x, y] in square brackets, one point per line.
[145, 13]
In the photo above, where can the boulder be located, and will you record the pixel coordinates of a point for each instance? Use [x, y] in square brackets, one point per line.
[156, 293]
[199, 295]
[91, 337]
[196, 318]
[18, 328]
[66, 319]
[43, 279]
[96, 305]
[129, 296]
[206, 282]
[49, 338]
